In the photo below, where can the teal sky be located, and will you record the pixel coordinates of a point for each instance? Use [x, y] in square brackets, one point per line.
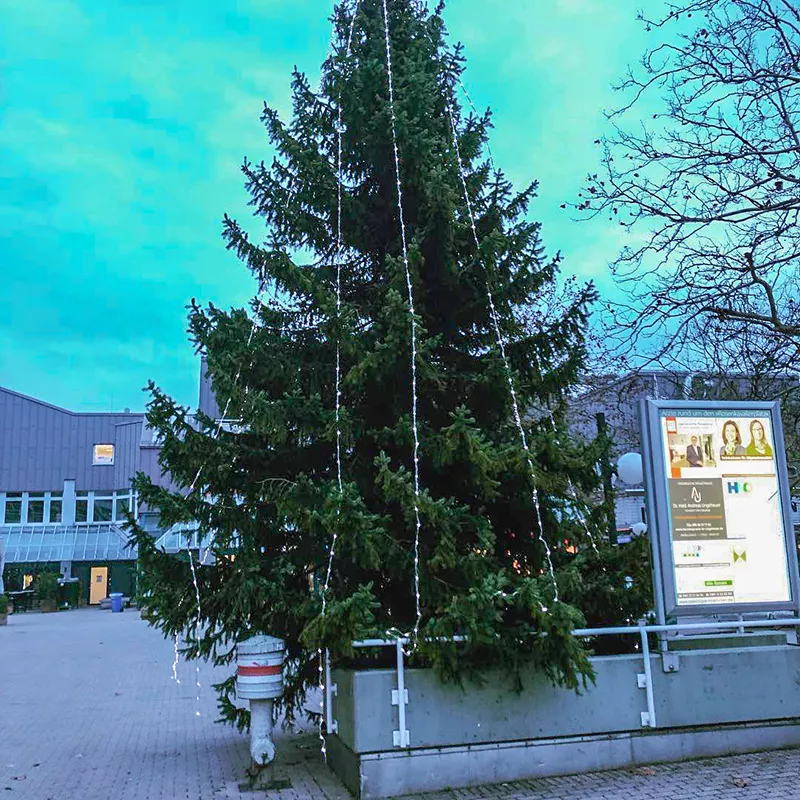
[123, 124]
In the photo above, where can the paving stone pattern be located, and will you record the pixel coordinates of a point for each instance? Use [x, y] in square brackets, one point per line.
[88, 711]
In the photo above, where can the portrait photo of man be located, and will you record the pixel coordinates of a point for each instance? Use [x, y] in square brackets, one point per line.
[694, 453]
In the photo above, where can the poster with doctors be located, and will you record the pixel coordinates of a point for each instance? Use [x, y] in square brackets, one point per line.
[724, 506]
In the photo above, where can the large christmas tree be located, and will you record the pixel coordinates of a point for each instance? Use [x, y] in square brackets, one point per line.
[502, 554]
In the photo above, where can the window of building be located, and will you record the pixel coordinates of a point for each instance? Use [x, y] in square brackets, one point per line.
[122, 503]
[13, 513]
[103, 454]
[82, 507]
[103, 507]
[41, 508]
[56, 507]
[32, 508]
[35, 507]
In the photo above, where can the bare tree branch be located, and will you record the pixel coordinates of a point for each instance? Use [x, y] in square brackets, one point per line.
[702, 170]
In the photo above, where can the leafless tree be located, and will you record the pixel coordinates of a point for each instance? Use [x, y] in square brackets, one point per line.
[702, 169]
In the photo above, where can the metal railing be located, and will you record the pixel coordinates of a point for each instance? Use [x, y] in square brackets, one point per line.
[401, 736]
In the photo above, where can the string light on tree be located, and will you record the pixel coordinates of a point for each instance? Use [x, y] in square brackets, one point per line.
[325, 658]
[413, 318]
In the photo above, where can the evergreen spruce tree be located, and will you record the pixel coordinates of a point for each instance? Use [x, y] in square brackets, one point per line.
[268, 492]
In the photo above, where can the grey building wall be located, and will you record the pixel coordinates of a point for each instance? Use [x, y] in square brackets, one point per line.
[42, 445]
[208, 401]
[148, 464]
[128, 436]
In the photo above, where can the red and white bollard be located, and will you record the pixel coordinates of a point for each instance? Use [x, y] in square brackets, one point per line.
[259, 679]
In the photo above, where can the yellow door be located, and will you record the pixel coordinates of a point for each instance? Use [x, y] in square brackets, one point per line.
[98, 586]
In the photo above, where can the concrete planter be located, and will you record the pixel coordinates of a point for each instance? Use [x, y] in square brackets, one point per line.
[4, 619]
[706, 703]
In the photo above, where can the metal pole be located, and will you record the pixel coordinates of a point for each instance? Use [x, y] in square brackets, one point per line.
[605, 469]
[648, 676]
[652, 522]
[401, 697]
[779, 622]
[330, 723]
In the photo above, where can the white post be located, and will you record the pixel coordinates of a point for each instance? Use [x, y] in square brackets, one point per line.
[262, 748]
[259, 679]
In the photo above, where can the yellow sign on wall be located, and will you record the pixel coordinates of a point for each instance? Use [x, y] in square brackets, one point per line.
[103, 454]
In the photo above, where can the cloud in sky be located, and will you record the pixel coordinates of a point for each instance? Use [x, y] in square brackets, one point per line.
[122, 129]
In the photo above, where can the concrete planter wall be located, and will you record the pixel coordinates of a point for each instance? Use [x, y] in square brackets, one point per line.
[707, 702]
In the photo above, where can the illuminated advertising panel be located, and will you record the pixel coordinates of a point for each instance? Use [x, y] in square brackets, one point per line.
[721, 497]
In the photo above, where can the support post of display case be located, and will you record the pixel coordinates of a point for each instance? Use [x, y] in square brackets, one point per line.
[652, 522]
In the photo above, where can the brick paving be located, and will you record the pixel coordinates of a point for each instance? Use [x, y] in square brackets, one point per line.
[88, 711]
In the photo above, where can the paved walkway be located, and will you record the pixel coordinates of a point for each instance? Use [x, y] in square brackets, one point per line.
[88, 711]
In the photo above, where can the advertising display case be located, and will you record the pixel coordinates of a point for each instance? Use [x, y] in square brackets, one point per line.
[718, 495]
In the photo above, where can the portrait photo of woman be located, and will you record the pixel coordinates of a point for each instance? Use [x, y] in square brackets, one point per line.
[732, 441]
[759, 446]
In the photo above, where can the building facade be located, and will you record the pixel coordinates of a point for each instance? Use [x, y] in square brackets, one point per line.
[65, 489]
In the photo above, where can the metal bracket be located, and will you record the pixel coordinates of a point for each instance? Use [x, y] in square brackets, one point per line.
[396, 739]
[670, 662]
[401, 737]
[649, 716]
[396, 697]
[333, 725]
[331, 691]
[641, 680]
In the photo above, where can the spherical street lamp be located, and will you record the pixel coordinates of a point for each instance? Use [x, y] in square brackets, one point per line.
[630, 469]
